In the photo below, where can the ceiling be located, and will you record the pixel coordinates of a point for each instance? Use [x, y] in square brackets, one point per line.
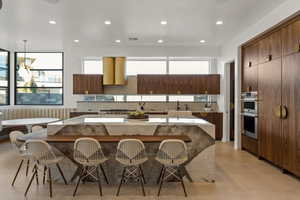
[189, 21]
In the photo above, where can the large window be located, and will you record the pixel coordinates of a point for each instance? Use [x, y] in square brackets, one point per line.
[146, 66]
[188, 67]
[4, 77]
[92, 66]
[146, 98]
[39, 78]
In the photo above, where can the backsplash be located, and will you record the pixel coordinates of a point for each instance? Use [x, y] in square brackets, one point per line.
[149, 106]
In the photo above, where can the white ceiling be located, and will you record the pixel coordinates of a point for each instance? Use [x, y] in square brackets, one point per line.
[189, 21]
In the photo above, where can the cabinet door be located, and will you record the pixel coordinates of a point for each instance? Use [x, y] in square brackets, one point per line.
[152, 84]
[264, 50]
[291, 125]
[213, 84]
[87, 84]
[270, 47]
[181, 84]
[291, 38]
[250, 78]
[79, 84]
[269, 88]
[250, 55]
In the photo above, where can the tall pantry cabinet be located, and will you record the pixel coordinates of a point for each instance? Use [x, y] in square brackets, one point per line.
[278, 86]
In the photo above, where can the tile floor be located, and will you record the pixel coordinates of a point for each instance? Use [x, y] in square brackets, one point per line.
[240, 176]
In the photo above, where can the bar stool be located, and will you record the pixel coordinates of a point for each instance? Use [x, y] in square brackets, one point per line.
[88, 153]
[171, 154]
[42, 153]
[20, 148]
[131, 154]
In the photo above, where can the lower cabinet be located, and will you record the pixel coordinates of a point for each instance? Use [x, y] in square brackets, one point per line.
[250, 144]
[215, 118]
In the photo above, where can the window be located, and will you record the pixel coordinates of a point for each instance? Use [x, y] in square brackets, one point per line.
[183, 98]
[113, 98]
[39, 78]
[92, 66]
[135, 67]
[188, 67]
[4, 77]
[148, 98]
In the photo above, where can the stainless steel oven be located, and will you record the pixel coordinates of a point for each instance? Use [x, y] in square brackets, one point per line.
[250, 125]
[250, 114]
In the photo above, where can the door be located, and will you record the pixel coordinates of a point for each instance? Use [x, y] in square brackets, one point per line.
[181, 84]
[291, 38]
[291, 124]
[269, 91]
[152, 84]
[250, 78]
[270, 47]
[232, 84]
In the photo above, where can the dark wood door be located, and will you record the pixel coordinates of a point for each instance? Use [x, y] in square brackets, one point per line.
[269, 88]
[232, 91]
[250, 78]
[152, 84]
[270, 47]
[87, 84]
[250, 55]
[291, 38]
[291, 125]
[182, 84]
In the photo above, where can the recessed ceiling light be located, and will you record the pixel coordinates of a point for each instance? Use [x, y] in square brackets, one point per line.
[163, 22]
[202, 41]
[52, 22]
[107, 22]
[160, 41]
[117, 41]
[76, 41]
[219, 22]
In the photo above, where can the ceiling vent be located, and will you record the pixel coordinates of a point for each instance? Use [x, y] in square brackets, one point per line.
[133, 39]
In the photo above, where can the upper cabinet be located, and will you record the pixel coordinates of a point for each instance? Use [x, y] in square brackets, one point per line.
[87, 84]
[178, 84]
[270, 47]
[250, 55]
[152, 84]
[291, 38]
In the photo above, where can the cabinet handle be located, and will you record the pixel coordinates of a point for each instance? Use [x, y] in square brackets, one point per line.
[284, 112]
[250, 64]
[178, 92]
[249, 88]
[268, 57]
[86, 92]
[151, 92]
[297, 48]
[277, 111]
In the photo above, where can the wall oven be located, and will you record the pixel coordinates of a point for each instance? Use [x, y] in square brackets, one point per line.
[250, 114]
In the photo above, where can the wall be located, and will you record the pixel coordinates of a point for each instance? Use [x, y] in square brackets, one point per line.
[231, 51]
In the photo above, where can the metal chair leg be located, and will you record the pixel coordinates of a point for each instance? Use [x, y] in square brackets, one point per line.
[27, 168]
[44, 174]
[30, 182]
[36, 174]
[61, 173]
[99, 181]
[103, 172]
[161, 180]
[79, 179]
[182, 184]
[50, 181]
[141, 178]
[160, 174]
[121, 182]
[142, 173]
[14, 180]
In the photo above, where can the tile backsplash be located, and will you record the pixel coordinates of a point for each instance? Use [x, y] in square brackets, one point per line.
[83, 106]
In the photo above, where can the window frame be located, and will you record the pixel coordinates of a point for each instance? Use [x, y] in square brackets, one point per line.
[8, 79]
[62, 85]
[90, 59]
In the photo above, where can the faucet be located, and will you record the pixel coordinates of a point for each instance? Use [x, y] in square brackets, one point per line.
[177, 106]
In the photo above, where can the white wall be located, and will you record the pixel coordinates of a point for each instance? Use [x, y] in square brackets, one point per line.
[231, 51]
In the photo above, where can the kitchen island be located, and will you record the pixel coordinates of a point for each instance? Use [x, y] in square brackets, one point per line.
[199, 167]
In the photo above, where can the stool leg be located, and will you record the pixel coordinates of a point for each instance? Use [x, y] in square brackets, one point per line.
[30, 182]
[50, 181]
[121, 182]
[27, 168]
[141, 178]
[105, 177]
[61, 173]
[160, 174]
[142, 173]
[44, 176]
[79, 179]
[161, 180]
[182, 184]
[99, 181]
[36, 174]
[14, 180]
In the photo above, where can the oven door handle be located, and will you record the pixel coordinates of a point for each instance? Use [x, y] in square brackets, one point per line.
[249, 115]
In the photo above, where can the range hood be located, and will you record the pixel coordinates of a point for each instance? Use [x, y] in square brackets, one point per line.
[114, 71]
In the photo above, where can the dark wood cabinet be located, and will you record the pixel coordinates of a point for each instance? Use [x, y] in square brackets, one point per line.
[178, 84]
[87, 84]
[250, 78]
[152, 84]
[270, 47]
[250, 55]
[269, 131]
[215, 118]
[250, 144]
[291, 123]
[291, 38]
